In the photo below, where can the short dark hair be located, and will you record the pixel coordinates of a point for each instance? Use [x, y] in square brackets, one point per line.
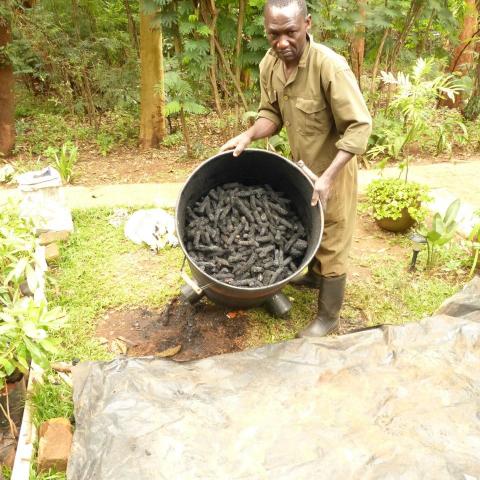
[301, 4]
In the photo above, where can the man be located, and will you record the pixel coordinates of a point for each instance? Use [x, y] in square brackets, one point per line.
[311, 90]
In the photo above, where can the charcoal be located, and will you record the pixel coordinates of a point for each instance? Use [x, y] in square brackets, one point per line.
[300, 245]
[247, 236]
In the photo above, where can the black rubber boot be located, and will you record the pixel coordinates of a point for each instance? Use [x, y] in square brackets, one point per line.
[330, 300]
[307, 280]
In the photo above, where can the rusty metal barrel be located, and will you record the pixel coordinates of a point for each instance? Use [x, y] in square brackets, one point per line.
[252, 167]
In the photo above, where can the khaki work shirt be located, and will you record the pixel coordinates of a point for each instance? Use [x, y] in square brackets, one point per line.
[320, 105]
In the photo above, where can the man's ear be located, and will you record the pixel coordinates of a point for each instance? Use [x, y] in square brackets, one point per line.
[308, 21]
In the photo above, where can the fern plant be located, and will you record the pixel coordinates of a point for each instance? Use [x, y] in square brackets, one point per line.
[182, 101]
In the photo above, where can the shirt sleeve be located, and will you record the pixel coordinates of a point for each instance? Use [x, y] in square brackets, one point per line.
[268, 107]
[350, 112]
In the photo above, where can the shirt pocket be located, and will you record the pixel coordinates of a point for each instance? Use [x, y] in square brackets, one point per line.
[312, 116]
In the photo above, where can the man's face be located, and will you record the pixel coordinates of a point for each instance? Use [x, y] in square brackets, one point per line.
[286, 30]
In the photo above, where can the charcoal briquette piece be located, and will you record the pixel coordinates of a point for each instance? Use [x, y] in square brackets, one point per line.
[262, 252]
[300, 245]
[278, 208]
[231, 185]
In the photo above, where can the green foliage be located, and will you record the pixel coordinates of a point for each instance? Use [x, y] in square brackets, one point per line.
[18, 259]
[41, 124]
[83, 57]
[64, 160]
[280, 143]
[172, 139]
[413, 110]
[441, 231]
[451, 130]
[26, 323]
[35, 134]
[474, 243]
[181, 94]
[50, 475]
[387, 198]
[25, 328]
[387, 139]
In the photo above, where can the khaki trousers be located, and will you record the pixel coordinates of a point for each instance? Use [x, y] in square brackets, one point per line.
[332, 257]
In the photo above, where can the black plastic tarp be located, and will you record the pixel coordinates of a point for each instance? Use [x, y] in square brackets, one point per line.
[395, 402]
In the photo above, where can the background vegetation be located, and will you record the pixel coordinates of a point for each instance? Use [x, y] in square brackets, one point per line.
[79, 75]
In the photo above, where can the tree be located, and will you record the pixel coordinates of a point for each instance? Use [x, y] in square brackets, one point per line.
[463, 55]
[7, 98]
[357, 50]
[472, 109]
[152, 98]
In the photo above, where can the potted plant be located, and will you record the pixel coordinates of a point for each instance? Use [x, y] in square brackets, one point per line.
[396, 204]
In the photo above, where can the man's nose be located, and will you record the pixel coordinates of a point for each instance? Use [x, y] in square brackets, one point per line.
[282, 42]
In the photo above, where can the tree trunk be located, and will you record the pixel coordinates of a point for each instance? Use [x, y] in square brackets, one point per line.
[377, 60]
[186, 133]
[238, 42]
[357, 50]
[210, 14]
[152, 104]
[132, 28]
[462, 58]
[425, 35]
[472, 110]
[7, 96]
[230, 73]
[414, 12]
[238, 53]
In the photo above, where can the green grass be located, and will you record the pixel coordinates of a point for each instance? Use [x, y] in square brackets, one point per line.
[99, 269]
[394, 296]
[52, 399]
[51, 475]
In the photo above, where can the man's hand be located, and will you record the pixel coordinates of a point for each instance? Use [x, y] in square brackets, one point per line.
[321, 187]
[321, 191]
[263, 127]
[238, 144]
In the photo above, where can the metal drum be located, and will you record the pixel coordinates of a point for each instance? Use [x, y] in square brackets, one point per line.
[252, 167]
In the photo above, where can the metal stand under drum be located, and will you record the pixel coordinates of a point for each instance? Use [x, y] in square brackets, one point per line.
[277, 305]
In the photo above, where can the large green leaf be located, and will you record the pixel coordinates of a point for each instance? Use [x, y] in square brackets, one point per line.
[452, 211]
[437, 224]
[7, 365]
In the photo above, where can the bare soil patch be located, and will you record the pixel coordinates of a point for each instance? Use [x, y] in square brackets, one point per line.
[369, 239]
[195, 331]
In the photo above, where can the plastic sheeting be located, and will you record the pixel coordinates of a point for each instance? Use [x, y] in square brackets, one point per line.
[386, 403]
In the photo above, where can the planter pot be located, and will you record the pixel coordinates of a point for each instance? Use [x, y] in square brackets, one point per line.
[400, 224]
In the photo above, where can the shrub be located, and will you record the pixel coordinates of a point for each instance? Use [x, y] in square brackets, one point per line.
[387, 198]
